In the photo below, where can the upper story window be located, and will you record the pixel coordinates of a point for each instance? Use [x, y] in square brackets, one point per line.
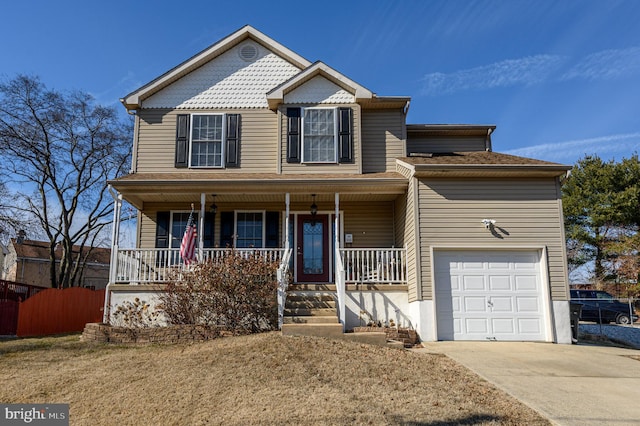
[207, 140]
[319, 135]
[207, 134]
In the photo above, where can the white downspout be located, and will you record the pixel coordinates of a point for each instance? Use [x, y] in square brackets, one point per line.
[115, 243]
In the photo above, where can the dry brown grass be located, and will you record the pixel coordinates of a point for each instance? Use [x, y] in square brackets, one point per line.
[260, 379]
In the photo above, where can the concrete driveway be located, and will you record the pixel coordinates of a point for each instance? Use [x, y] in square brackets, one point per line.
[568, 384]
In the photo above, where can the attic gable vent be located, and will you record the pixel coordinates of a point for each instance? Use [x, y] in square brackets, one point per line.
[248, 52]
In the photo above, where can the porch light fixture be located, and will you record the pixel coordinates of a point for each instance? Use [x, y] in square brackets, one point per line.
[314, 207]
[214, 208]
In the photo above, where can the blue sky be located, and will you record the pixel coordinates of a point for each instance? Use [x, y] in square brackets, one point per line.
[560, 79]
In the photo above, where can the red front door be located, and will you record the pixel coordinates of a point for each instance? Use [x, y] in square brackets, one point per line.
[313, 249]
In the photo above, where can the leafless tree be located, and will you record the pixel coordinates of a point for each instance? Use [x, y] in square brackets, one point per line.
[60, 149]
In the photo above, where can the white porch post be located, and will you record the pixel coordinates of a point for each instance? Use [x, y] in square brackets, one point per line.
[115, 243]
[287, 200]
[201, 227]
[115, 233]
[339, 280]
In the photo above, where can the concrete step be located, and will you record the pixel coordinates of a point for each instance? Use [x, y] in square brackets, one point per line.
[311, 287]
[298, 296]
[319, 312]
[319, 330]
[310, 320]
[309, 304]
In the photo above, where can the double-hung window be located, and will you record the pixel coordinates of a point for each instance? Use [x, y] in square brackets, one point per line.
[207, 136]
[178, 226]
[250, 229]
[319, 136]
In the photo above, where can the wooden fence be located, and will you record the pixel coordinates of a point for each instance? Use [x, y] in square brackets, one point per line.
[11, 294]
[56, 311]
[27, 310]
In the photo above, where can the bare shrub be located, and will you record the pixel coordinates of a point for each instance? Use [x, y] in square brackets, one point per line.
[237, 292]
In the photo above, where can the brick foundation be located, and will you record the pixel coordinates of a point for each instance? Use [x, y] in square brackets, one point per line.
[104, 333]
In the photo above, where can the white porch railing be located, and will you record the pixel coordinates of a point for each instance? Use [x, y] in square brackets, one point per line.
[137, 266]
[283, 284]
[374, 265]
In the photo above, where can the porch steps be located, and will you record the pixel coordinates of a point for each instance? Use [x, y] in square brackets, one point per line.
[311, 311]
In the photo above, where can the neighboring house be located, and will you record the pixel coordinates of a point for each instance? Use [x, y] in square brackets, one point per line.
[27, 262]
[422, 224]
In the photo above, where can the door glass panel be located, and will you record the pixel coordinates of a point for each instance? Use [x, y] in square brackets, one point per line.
[313, 249]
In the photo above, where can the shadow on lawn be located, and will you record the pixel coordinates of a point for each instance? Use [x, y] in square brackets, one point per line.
[469, 420]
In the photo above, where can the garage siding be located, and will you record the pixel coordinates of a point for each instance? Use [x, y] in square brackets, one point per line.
[527, 213]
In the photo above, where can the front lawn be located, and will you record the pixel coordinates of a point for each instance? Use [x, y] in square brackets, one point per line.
[259, 379]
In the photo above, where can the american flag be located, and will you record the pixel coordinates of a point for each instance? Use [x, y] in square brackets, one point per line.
[188, 245]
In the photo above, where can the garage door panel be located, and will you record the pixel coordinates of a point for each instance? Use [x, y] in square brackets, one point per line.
[478, 326]
[499, 282]
[473, 283]
[489, 295]
[532, 326]
[502, 326]
[527, 283]
[502, 304]
[474, 304]
[528, 304]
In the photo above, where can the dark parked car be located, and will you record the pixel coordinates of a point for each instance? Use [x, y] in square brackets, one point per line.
[600, 306]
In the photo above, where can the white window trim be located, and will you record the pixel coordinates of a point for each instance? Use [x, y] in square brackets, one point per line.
[235, 226]
[222, 142]
[171, 213]
[335, 136]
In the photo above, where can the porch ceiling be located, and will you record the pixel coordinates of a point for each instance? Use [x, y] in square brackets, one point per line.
[139, 189]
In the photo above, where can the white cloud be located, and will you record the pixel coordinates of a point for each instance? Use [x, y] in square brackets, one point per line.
[606, 65]
[606, 147]
[511, 72]
[530, 70]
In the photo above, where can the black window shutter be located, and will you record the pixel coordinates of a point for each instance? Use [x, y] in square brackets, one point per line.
[272, 227]
[345, 135]
[162, 230]
[209, 226]
[226, 229]
[293, 135]
[233, 140]
[182, 140]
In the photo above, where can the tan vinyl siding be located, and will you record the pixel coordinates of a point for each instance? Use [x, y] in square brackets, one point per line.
[382, 140]
[320, 168]
[371, 224]
[147, 229]
[157, 133]
[444, 144]
[400, 220]
[526, 211]
[411, 240]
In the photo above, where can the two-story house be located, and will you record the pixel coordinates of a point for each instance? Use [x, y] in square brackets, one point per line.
[421, 224]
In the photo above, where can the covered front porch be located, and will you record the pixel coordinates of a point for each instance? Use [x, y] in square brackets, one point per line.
[316, 235]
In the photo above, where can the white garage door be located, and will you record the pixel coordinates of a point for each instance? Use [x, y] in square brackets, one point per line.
[489, 295]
